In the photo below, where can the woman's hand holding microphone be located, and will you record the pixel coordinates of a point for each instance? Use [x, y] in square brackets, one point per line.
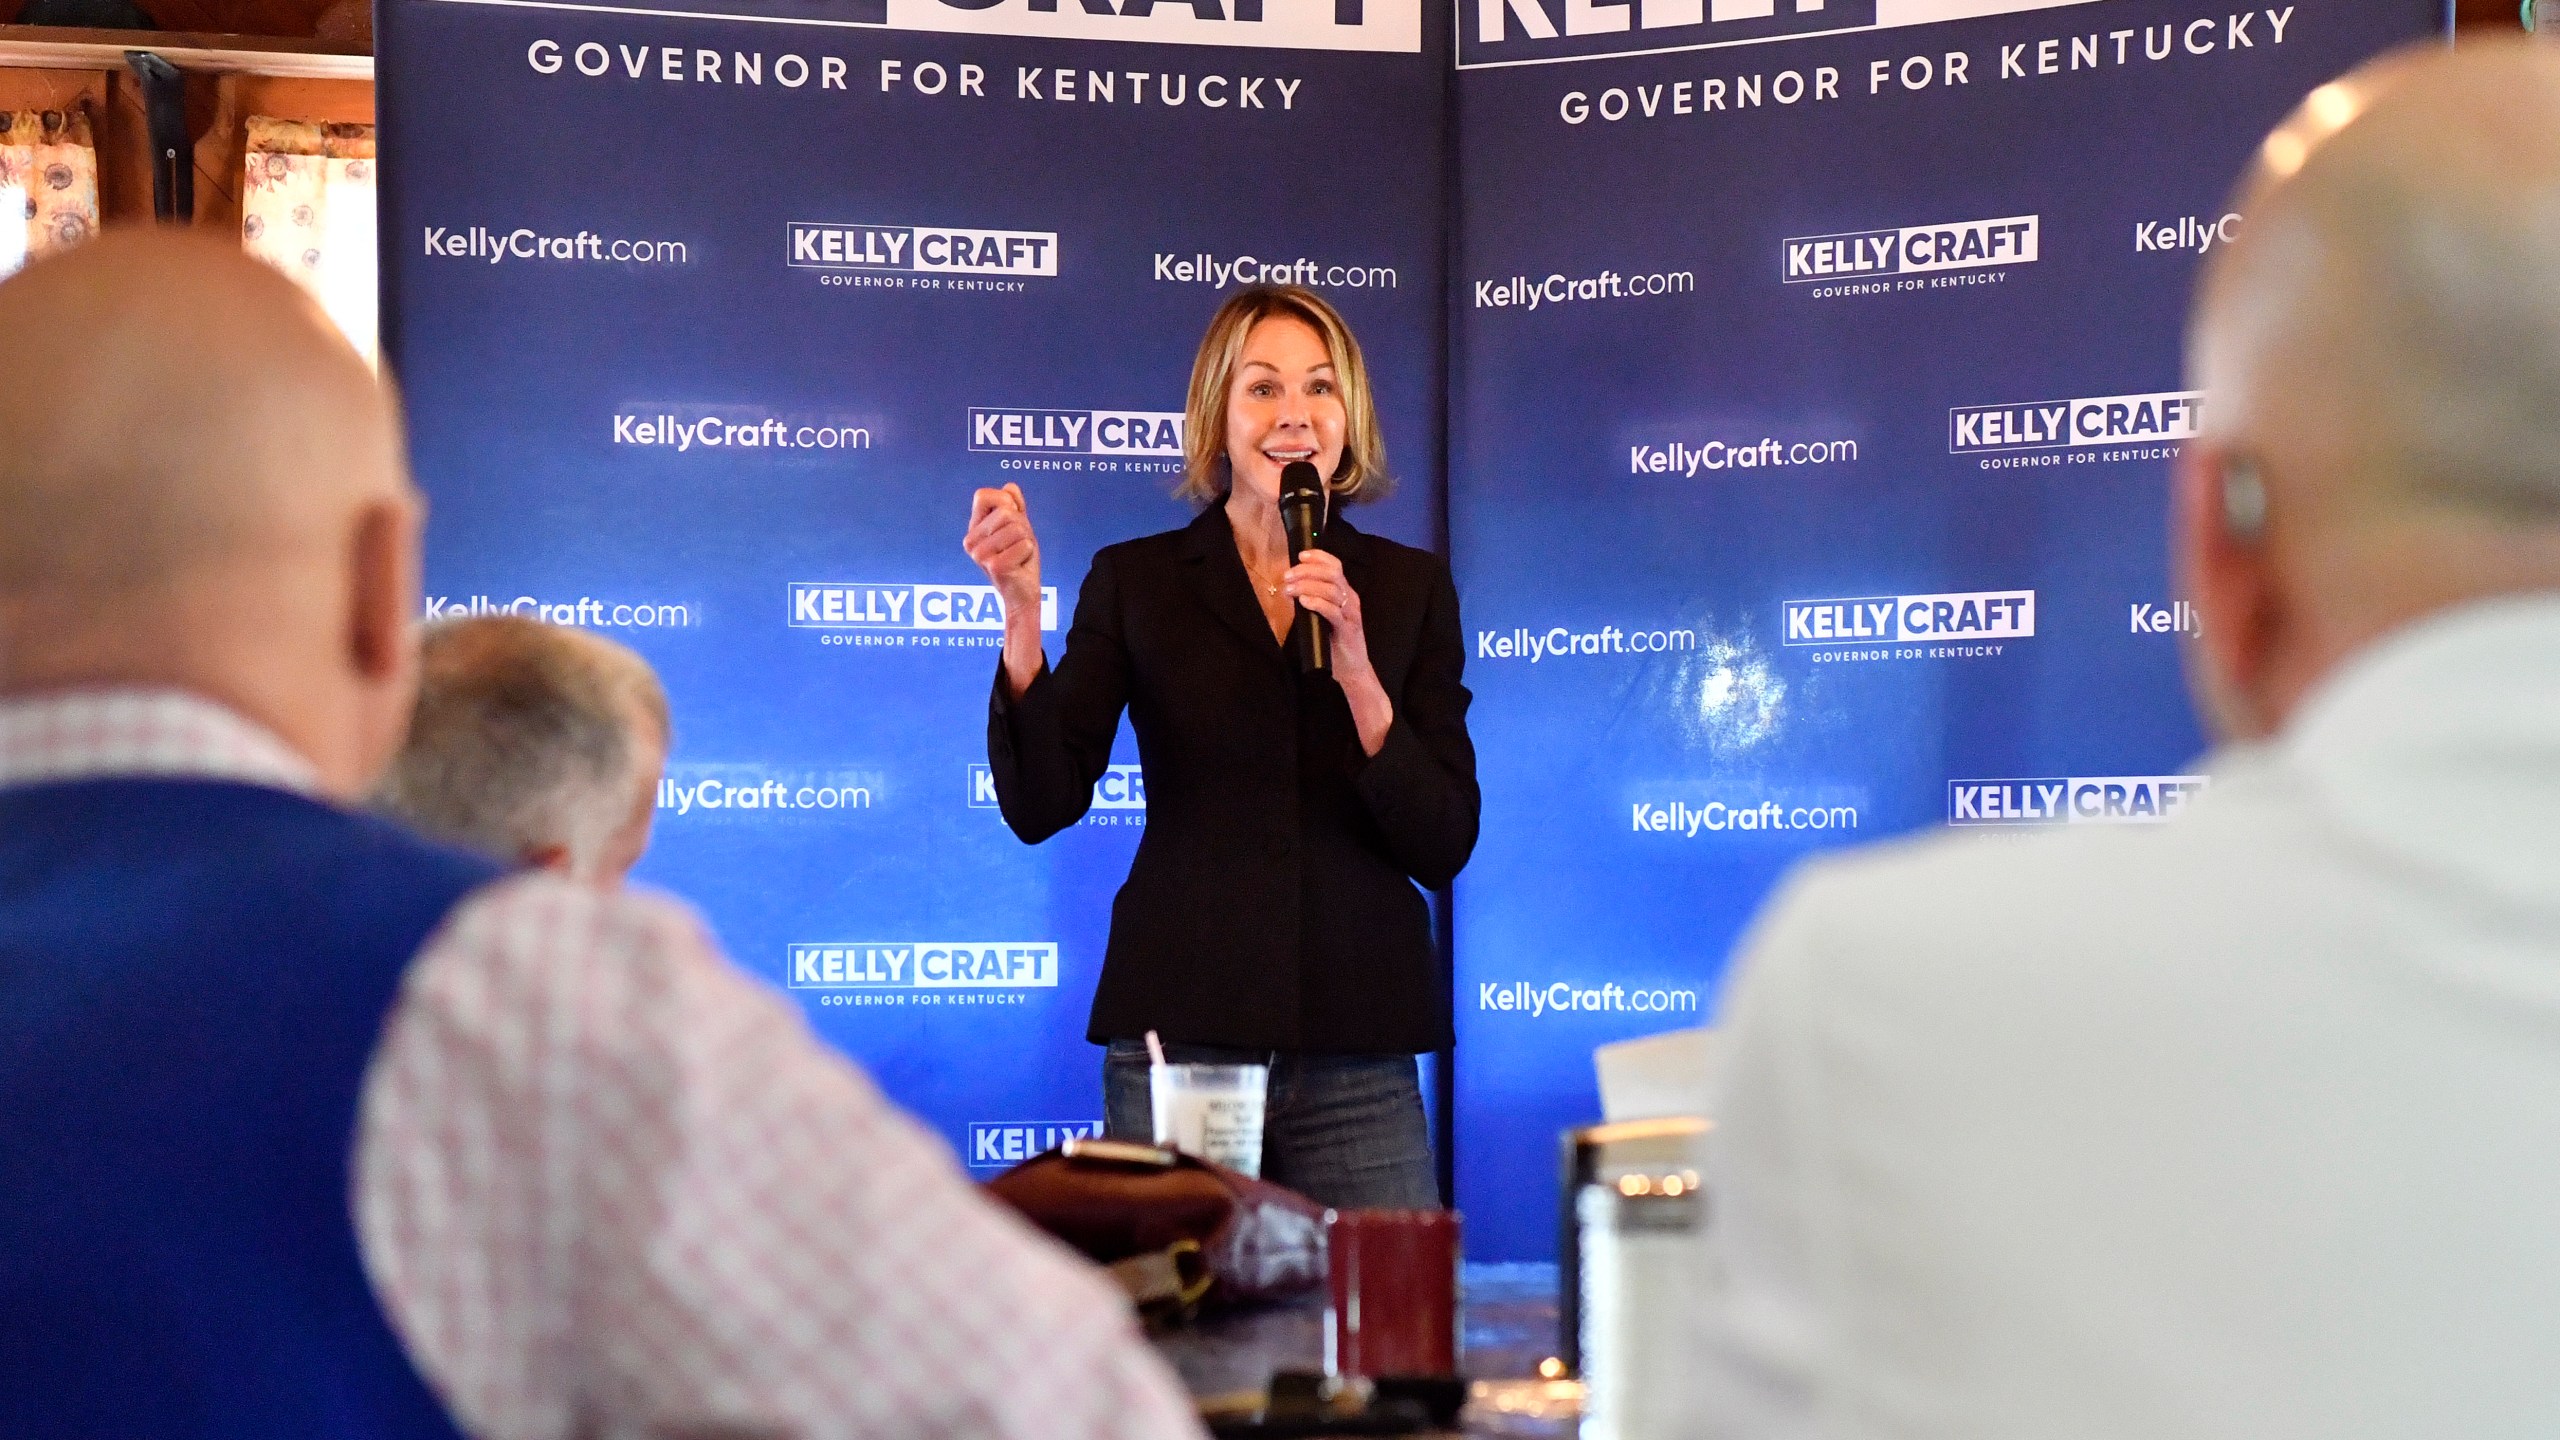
[1317, 581]
[1001, 542]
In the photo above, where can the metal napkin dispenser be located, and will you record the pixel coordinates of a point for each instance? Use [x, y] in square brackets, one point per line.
[1632, 1206]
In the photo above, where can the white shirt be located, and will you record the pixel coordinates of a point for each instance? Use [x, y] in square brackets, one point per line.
[2243, 1126]
[608, 1186]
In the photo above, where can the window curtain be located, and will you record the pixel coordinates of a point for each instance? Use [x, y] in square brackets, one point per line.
[307, 208]
[48, 176]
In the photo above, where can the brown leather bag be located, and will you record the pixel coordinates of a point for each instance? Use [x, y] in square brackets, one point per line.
[1176, 1231]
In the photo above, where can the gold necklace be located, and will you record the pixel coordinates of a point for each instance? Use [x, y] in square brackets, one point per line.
[1269, 587]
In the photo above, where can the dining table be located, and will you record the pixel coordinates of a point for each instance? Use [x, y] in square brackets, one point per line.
[1508, 1320]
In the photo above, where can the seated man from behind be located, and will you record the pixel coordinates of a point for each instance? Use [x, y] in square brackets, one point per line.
[537, 744]
[309, 1128]
[2246, 1125]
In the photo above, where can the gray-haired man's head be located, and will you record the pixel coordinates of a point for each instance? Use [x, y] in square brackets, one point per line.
[534, 743]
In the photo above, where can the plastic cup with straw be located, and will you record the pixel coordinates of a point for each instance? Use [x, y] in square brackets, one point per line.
[1212, 1111]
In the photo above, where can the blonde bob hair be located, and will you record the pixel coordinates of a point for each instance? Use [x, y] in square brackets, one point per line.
[1363, 472]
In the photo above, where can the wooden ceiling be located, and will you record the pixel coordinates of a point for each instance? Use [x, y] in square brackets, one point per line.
[237, 17]
[282, 19]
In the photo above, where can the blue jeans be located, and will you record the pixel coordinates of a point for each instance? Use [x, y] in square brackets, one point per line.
[1342, 1130]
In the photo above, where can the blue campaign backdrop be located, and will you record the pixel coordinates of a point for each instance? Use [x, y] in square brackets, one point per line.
[1807, 381]
[1815, 399]
[725, 222]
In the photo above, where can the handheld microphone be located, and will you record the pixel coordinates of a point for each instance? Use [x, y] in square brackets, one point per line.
[1302, 501]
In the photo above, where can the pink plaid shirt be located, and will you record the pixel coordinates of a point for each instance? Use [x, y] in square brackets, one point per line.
[606, 1185]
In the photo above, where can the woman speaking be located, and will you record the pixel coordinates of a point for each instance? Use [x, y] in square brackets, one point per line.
[1271, 915]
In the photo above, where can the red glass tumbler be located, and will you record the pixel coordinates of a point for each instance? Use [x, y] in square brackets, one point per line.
[1395, 1293]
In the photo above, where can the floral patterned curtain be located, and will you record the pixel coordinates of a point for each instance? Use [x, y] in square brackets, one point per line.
[307, 208]
[48, 175]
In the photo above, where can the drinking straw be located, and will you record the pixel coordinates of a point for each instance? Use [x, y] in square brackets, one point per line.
[1155, 1048]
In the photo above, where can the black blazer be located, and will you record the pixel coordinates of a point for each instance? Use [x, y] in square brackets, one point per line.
[1272, 903]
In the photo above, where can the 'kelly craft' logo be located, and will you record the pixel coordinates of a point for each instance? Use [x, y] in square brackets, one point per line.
[2178, 617]
[1911, 250]
[1122, 787]
[922, 965]
[995, 1144]
[1076, 432]
[1370, 25]
[1491, 32]
[2072, 800]
[1875, 619]
[1542, 32]
[1564, 997]
[668, 429]
[2188, 233]
[689, 789]
[1375, 25]
[479, 242]
[586, 610]
[853, 606]
[929, 249]
[2058, 424]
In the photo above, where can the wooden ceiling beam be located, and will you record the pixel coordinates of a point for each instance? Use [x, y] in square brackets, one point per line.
[47, 47]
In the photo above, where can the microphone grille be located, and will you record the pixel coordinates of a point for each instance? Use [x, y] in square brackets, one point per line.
[1298, 478]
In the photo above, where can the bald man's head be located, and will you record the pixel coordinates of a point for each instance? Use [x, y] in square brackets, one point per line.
[202, 487]
[198, 410]
[2395, 283]
[2380, 352]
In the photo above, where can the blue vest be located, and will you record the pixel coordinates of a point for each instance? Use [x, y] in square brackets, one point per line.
[193, 975]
